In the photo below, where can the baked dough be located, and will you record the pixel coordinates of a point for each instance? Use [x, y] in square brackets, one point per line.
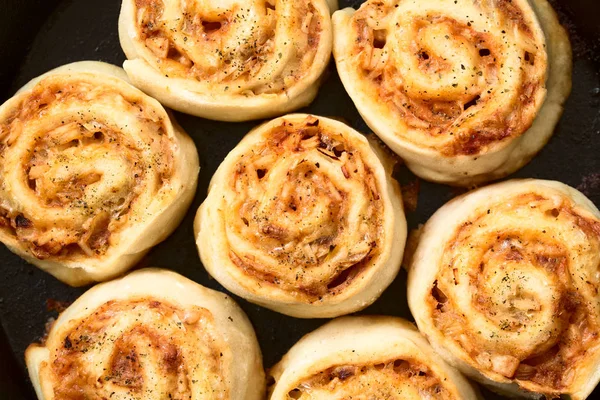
[366, 358]
[303, 218]
[465, 91]
[227, 60]
[93, 173]
[150, 335]
[504, 284]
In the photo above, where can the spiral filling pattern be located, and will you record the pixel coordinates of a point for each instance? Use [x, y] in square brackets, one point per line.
[239, 48]
[304, 210]
[461, 76]
[530, 265]
[80, 158]
[139, 349]
[393, 379]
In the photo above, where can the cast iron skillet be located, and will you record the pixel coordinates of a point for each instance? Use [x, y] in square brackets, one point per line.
[38, 35]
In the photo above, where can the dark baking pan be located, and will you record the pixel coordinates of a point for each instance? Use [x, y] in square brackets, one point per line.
[37, 35]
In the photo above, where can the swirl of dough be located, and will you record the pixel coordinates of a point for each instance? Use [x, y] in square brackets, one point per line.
[366, 358]
[303, 218]
[464, 91]
[93, 173]
[150, 335]
[504, 283]
[228, 60]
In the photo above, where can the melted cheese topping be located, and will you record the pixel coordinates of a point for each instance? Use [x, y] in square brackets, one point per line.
[79, 171]
[150, 335]
[392, 380]
[456, 76]
[227, 60]
[144, 349]
[240, 48]
[296, 194]
[464, 91]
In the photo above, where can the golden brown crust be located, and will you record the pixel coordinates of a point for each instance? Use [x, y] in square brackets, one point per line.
[547, 364]
[202, 55]
[451, 117]
[389, 379]
[58, 148]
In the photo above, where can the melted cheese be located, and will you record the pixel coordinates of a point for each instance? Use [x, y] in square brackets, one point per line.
[228, 60]
[366, 358]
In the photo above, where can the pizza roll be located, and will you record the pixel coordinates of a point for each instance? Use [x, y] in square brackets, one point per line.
[150, 335]
[303, 218]
[227, 60]
[93, 173]
[504, 284]
[464, 91]
[366, 358]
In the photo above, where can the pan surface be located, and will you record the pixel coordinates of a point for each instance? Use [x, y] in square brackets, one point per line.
[38, 35]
